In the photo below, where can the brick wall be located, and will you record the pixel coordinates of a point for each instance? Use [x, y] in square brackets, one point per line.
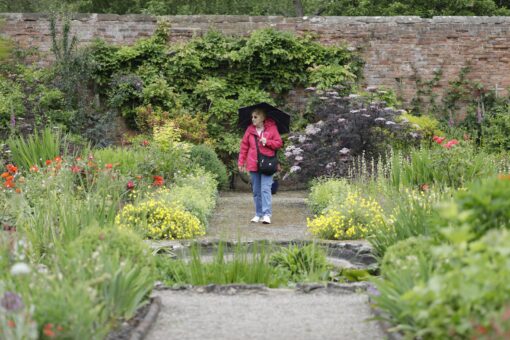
[397, 50]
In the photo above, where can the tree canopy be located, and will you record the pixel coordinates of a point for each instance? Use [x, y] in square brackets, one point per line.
[423, 8]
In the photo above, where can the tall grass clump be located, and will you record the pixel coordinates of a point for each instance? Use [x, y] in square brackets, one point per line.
[37, 148]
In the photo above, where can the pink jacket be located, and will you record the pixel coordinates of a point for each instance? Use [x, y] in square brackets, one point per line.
[248, 150]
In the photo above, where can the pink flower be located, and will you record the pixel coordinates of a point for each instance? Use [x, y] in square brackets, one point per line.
[451, 143]
[438, 139]
[130, 185]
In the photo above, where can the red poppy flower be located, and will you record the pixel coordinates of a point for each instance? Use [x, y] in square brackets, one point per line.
[9, 184]
[109, 166]
[48, 162]
[75, 169]
[145, 143]
[438, 139]
[11, 323]
[11, 168]
[424, 187]
[18, 191]
[48, 330]
[451, 143]
[34, 168]
[4, 175]
[158, 181]
[130, 185]
[58, 159]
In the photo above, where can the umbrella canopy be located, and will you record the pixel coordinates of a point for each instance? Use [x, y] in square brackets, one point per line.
[282, 119]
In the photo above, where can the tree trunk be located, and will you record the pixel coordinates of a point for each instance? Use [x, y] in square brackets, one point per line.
[298, 6]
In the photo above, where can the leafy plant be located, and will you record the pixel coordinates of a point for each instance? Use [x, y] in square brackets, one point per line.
[204, 156]
[301, 262]
[36, 148]
[326, 191]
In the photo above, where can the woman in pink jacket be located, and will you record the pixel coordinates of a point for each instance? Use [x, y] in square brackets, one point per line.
[269, 141]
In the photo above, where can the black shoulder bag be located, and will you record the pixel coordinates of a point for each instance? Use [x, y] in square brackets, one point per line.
[268, 165]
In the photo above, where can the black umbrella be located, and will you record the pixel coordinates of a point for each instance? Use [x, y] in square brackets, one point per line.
[281, 118]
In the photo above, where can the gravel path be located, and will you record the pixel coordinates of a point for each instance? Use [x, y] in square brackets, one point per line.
[274, 314]
[271, 313]
[231, 220]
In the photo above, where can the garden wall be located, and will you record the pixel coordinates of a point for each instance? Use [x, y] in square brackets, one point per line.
[399, 51]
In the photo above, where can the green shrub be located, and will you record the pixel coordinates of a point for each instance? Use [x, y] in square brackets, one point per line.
[205, 156]
[326, 191]
[155, 219]
[301, 262]
[428, 126]
[470, 284]
[126, 243]
[496, 131]
[485, 205]
[405, 254]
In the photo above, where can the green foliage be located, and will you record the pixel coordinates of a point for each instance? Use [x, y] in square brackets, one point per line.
[495, 133]
[471, 280]
[125, 160]
[327, 76]
[484, 206]
[248, 266]
[204, 156]
[212, 76]
[413, 216]
[453, 166]
[300, 261]
[266, 7]
[113, 241]
[326, 191]
[426, 125]
[405, 254]
[196, 193]
[11, 101]
[36, 148]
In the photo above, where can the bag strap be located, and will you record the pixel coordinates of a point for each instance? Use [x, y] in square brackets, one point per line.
[256, 144]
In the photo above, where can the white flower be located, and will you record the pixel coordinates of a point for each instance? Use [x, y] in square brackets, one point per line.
[288, 154]
[414, 134]
[299, 158]
[312, 130]
[344, 151]
[380, 119]
[302, 139]
[297, 151]
[389, 122]
[295, 168]
[20, 268]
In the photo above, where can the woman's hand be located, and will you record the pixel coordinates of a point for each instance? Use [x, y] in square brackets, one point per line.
[263, 140]
[242, 168]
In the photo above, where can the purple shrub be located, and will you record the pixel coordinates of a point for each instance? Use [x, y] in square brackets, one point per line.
[345, 128]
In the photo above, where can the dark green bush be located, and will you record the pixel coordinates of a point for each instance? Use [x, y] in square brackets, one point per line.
[205, 156]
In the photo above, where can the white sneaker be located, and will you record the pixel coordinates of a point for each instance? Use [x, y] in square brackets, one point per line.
[266, 219]
[256, 219]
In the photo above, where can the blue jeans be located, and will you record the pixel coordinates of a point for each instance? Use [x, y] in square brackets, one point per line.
[261, 185]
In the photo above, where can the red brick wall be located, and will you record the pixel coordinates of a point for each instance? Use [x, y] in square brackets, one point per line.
[397, 50]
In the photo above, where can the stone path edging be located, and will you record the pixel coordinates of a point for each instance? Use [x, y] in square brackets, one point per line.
[141, 331]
